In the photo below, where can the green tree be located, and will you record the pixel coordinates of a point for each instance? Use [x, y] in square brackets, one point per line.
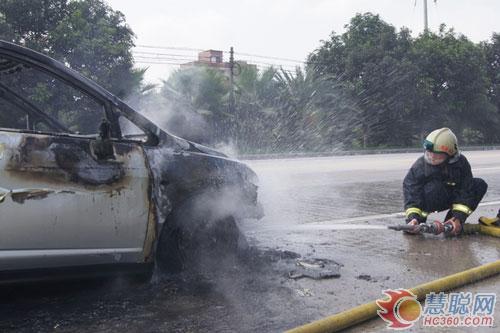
[205, 91]
[31, 22]
[255, 112]
[297, 128]
[452, 83]
[88, 35]
[405, 87]
[492, 66]
[370, 60]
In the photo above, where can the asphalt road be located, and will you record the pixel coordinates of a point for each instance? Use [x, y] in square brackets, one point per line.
[328, 208]
[325, 207]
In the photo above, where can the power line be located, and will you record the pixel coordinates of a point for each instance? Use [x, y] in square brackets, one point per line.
[157, 62]
[164, 58]
[224, 52]
[157, 58]
[170, 56]
[160, 54]
[269, 57]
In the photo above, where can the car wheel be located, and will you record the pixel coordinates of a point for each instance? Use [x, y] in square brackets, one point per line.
[191, 233]
[170, 254]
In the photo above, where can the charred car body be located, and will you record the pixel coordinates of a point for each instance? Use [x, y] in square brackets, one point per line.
[86, 181]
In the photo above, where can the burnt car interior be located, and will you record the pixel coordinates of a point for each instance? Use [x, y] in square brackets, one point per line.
[34, 101]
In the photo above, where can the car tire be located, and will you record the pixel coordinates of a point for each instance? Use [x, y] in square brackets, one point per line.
[170, 256]
[192, 231]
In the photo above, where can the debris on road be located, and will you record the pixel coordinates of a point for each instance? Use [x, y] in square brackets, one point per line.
[316, 269]
[369, 278]
[305, 292]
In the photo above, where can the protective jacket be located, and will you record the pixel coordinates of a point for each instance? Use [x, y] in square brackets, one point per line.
[428, 188]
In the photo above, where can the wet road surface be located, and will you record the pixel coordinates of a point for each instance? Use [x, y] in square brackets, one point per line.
[326, 208]
[314, 207]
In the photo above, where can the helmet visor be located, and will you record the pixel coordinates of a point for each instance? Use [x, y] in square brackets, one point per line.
[435, 158]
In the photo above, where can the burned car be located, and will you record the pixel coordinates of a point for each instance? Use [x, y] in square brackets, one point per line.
[88, 184]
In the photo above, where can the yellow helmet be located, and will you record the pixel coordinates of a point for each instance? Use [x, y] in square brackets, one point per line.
[442, 141]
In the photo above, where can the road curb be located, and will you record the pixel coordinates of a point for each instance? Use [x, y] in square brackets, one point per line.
[351, 153]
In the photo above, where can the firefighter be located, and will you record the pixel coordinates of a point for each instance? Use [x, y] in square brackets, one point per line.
[442, 179]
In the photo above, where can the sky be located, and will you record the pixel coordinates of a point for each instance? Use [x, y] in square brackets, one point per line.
[280, 32]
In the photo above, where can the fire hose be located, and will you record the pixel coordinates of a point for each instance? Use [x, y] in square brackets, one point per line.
[435, 228]
[367, 311]
[438, 227]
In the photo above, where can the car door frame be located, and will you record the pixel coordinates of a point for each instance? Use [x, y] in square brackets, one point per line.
[107, 100]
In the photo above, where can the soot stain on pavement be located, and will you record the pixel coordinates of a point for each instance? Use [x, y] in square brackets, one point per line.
[243, 291]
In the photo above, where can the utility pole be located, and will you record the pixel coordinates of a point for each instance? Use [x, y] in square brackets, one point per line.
[231, 80]
[232, 110]
[426, 20]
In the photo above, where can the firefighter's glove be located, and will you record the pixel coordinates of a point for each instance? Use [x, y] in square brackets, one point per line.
[456, 224]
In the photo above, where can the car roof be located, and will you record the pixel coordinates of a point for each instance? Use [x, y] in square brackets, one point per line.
[57, 68]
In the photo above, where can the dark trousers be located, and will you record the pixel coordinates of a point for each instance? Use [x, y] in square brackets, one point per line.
[439, 197]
